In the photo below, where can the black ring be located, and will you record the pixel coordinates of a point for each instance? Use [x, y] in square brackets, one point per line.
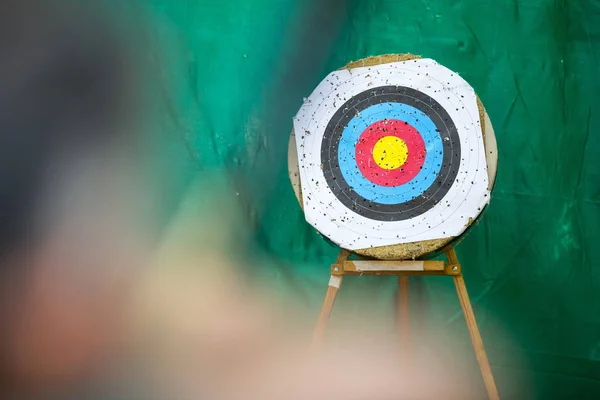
[401, 211]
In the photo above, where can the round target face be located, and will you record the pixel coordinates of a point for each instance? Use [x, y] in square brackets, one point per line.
[391, 154]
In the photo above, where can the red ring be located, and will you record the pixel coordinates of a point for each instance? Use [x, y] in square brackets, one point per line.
[390, 127]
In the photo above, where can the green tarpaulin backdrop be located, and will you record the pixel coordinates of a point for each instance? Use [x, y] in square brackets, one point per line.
[236, 72]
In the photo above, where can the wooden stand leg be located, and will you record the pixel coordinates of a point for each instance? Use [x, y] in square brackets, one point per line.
[334, 284]
[465, 303]
[403, 311]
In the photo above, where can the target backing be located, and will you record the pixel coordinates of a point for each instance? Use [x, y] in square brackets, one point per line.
[391, 154]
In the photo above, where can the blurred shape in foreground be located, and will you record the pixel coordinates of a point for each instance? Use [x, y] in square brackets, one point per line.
[69, 192]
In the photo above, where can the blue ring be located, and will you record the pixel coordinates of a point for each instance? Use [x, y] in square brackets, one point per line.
[434, 153]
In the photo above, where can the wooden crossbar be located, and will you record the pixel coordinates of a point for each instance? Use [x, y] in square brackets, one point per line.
[408, 267]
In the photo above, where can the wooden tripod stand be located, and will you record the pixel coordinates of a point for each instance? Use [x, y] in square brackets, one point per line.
[403, 269]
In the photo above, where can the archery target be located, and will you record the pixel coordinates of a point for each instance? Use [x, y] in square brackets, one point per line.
[391, 154]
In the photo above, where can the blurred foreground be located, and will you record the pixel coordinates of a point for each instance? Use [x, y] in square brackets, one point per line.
[187, 325]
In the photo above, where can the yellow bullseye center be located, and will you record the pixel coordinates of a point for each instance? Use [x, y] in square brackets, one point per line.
[390, 152]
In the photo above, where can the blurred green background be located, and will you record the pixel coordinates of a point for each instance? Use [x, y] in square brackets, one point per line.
[235, 73]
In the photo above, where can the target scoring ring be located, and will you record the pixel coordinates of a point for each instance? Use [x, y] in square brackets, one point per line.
[410, 194]
[390, 153]
[409, 163]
